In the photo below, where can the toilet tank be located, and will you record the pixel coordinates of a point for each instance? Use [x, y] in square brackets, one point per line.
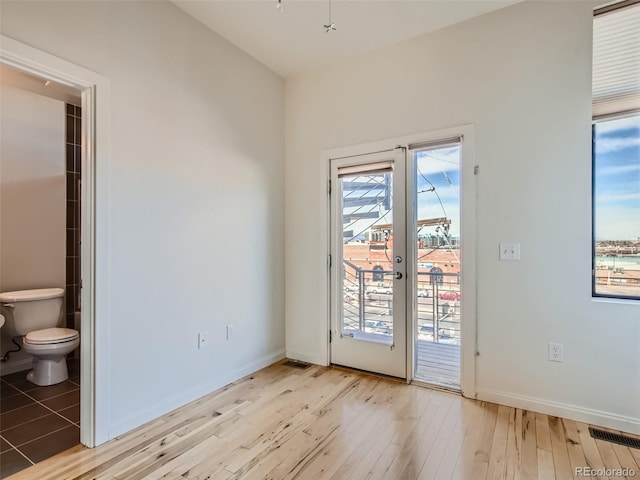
[28, 310]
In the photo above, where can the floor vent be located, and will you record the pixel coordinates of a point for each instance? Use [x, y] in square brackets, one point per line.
[295, 364]
[615, 438]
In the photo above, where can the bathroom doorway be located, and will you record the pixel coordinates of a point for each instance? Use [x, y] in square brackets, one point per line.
[40, 172]
[94, 258]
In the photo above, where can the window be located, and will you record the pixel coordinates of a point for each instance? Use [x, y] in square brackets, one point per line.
[616, 151]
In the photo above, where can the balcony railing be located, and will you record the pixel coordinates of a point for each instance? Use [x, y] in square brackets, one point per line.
[368, 306]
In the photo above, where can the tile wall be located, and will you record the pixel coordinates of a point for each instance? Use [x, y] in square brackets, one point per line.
[73, 165]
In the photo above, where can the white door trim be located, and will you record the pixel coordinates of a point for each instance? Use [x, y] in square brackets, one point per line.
[468, 207]
[95, 90]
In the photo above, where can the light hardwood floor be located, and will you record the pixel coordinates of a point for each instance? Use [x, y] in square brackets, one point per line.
[285, 423]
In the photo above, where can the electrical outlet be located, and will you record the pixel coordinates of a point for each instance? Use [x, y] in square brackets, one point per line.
[202, 340]
[555, 352]
[229, 332]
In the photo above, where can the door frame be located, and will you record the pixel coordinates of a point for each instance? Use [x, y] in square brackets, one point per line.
[468, 208]
[95, 91]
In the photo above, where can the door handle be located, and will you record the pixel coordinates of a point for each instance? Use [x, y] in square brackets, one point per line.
[397, 275]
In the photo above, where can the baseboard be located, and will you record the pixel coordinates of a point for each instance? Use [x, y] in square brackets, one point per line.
[564, 410]
[15, 366]
[306, 357]
[153, 411]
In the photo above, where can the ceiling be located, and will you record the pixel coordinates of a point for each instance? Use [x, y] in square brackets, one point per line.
[31, 83]
[293, 40]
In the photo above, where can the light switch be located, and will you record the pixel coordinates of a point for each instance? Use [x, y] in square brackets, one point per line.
[509, 251]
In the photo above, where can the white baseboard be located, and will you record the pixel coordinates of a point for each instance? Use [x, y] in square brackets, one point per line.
[153, 411]
[306, 357]
[557, 409]
[15, 366]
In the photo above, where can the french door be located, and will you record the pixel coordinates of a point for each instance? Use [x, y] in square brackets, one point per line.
[368, 274]
[396, 290]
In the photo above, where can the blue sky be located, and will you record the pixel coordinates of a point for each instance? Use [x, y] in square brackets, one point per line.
[617, 179]
[439, 168]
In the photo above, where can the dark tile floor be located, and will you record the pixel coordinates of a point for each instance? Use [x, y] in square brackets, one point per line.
[37, 422]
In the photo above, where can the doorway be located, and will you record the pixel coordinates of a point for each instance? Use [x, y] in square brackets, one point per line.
[94, 164]
[41, 143]
[396, 255]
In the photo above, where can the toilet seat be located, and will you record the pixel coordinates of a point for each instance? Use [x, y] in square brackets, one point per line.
[50, 336]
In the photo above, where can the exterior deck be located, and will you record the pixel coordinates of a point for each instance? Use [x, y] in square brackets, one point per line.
[438, 363]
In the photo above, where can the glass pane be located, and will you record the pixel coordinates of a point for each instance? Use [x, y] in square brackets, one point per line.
[616, 165]
[367, 254]
[438, 265]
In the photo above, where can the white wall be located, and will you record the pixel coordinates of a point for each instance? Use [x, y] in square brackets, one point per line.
[32, 198]
[522, 77]
[195, 205]
[32, 190]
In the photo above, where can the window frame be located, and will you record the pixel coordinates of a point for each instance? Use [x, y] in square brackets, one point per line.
[594, 122]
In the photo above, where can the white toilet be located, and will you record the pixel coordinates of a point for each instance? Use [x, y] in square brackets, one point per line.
[34, 315]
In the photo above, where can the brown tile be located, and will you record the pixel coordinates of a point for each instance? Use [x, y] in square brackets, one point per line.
[72, 413]
[70, 294]
[16, 377]
[71, 270]
[52, 444]
[70, 164]
[73, 366]
[78, 131]
[71, 238]
[30, 431]
[78, 159]
[13, 402]
[70, 221]
[7, 390]
[70, 134]
[43, 393]
[24, 385]
[4, 445]
[63, 401]
[12, 462]
[22, 415]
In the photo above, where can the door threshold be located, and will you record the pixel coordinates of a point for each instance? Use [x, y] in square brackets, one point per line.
[437, 386]
[367, 372]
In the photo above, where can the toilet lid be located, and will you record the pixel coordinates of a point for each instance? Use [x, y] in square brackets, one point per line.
[31, 295]
[51, 335]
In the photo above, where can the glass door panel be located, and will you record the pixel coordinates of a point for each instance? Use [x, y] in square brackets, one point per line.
[368, 309]
[436, 181]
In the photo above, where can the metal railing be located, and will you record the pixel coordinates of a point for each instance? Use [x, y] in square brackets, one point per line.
[368, 304]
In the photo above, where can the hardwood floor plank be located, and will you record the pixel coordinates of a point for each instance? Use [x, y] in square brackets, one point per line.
[497, 458]
[454, 425]
[590, 449]
[626, 459]
[466, 414]
[514, 445]
[561, 462]
[483, 452]
[469, 445]
[436, 414]
[574, 447]
[543, 435]
[328, 423]
[545, 465]
[529, 460]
